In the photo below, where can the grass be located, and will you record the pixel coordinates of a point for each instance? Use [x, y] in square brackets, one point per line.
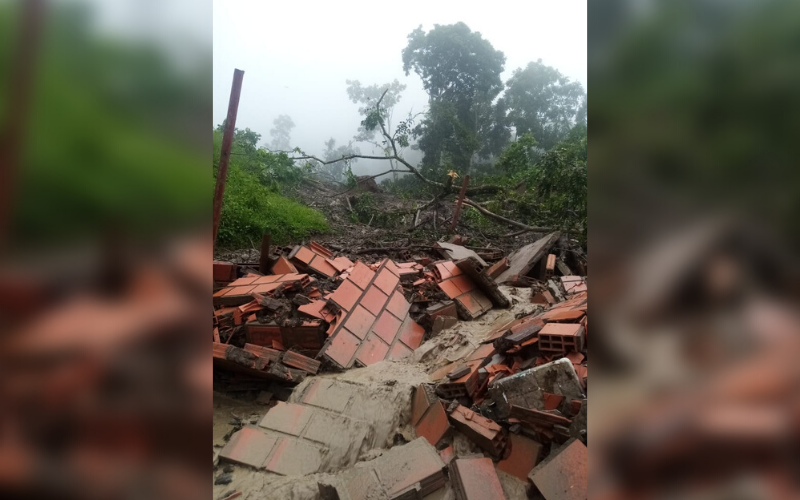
[250, 209]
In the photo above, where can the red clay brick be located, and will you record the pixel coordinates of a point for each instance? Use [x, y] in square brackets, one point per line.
[563, 476]
[386, 281]
[387, 326]
[247, 280]
[392, 267]
[283, 266]
[374, 300]
[343, 347]
[475, 303]
[560, 315]
[224, 271]
[359, 322]
[450, 289]
[294, 457]
[304, 255]
[498, 268]
[248, 446]
[561, 337]
[398, 351]
[482, 352]
[476, 479]
[524, 456]
[313, 309]
[398, 305]
[372, 350]
[361, 275]
[464, 284]
[266, 288]
[346, 295]
[420, 402]
[321, 265]
[341, 263]
[260, 334]
[551, 401]
[433, 425]
[324, 393]
[319, 249]
[411, 333]
[297, 360]
[414, 464]
[308, 335]
[452, 268]
[288, 418]
[442, 272]
[482, 431]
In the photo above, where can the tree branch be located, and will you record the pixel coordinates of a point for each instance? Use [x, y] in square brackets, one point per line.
[507, 221]
[365, 179]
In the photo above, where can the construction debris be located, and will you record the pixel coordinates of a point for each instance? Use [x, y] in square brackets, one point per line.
[411, 471]
[476, 479]
[523, 262]
[562, 476]
[502, 404]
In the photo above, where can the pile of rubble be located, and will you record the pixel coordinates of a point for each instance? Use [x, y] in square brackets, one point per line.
[519, 397]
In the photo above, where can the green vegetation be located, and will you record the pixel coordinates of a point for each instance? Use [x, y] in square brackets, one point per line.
[253, 203]
[105, 125]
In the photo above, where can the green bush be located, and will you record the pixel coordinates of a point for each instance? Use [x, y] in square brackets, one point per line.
[251, 208]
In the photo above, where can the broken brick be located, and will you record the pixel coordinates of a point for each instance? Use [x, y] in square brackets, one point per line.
[476, 479]
[434, 424]
[482, 431]
[308, 335]
[523, 455]
[483, 281]
[550, 266]
[563, 475]
[498, 268]
[283, 266]
[261, 334]
[297, 360]
[224, 271]
[248, 446]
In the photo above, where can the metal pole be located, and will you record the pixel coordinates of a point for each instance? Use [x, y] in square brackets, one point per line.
[461, 195]
[227, 142]
[20, 88]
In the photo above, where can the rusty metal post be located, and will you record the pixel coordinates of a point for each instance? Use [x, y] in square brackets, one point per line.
[460, 201]
[20, 87]
[227, 142]
[263, 259]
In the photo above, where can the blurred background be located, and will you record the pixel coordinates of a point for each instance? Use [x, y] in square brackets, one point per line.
[693, 206]
[105, 248]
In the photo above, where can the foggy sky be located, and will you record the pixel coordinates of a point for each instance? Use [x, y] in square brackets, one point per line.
[297, 55]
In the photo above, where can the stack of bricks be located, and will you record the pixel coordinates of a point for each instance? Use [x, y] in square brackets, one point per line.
[373, 322]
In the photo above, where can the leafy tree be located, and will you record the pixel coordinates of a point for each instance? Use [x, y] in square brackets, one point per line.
[518, 156]
[368, 97]
[545, 103]
[460, 71]
[281, 133]
[557, 182]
